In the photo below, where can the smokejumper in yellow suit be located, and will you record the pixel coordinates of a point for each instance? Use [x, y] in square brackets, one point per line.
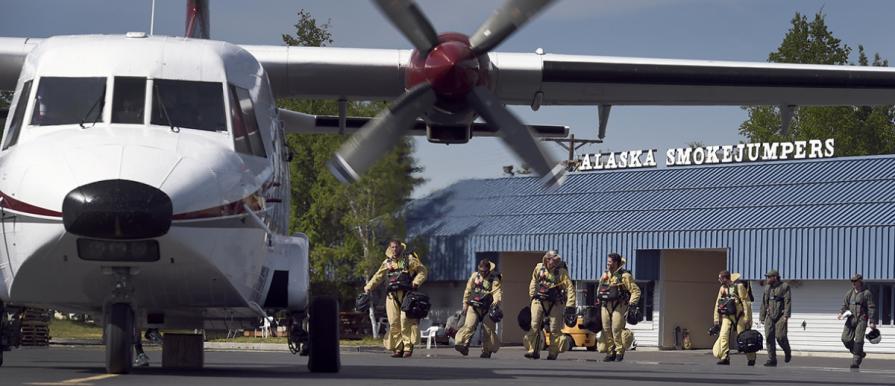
[404, 272]
[483, 292]
[732, 308]
[550, 289]
[617, 291]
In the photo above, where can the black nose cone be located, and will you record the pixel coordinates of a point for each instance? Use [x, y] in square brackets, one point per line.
[117, 209]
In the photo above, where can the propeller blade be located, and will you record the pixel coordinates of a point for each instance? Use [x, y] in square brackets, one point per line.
[380, 134]
[411, 21]
[517, 136]
[504, 22]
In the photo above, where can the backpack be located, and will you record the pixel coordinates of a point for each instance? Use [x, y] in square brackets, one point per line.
[416, 305]
[746, 284]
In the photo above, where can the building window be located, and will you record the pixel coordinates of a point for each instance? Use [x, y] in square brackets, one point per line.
[884, 298]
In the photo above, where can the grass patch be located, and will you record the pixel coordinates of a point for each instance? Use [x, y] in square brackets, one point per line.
[69, 329]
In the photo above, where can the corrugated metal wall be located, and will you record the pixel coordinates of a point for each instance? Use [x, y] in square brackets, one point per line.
[812, 220]
[798, 253]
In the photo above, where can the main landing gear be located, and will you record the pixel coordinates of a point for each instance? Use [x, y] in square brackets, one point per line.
[321, 341]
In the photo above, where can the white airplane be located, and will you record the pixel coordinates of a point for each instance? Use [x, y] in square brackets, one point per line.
[144, 179]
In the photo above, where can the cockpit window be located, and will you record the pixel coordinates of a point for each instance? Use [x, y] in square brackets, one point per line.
[65, 101]
[18, 115]
[128, 100]
[246, 137]
[188, 104]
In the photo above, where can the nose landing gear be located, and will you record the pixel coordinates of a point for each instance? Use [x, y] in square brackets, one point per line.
[119, 333]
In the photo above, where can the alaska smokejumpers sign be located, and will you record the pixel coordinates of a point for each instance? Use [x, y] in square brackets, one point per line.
[709, 155]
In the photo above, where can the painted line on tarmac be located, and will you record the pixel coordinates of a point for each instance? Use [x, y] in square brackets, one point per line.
[75, 381]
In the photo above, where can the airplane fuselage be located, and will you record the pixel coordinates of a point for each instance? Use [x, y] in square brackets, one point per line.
[156, 161]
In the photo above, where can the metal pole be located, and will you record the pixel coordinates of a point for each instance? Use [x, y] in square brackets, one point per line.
[152, 19]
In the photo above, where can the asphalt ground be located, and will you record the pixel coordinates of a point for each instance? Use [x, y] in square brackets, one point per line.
[84, 366]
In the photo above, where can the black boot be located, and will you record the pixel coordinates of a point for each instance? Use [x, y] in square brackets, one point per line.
[462, 349]
[725, 361]
[770, 363]
[533, 355]
[619, 357]
[787, 351]
[859, 353]
[485, 354]
[609, 358]
[751, 362]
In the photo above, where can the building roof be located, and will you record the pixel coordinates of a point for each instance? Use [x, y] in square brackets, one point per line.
[682, 202]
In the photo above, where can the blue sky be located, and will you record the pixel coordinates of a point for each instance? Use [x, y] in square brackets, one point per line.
[686, 29]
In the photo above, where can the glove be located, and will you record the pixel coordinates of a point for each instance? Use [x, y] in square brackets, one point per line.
[570, 317]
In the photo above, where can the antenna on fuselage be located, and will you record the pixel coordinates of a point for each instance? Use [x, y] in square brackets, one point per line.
[152, 19]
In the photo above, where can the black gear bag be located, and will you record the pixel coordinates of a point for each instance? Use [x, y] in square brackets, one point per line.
[593, 319]
[362, 303]
[570, 317]
[416, 305]
[524, 318]
[634, 315]
[750, 341]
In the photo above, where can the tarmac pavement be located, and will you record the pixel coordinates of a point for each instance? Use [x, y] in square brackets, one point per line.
[372, 366]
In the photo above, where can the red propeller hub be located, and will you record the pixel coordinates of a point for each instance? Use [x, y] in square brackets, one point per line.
[450, 67]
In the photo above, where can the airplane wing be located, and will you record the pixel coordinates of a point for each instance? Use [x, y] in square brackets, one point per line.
[519, 78]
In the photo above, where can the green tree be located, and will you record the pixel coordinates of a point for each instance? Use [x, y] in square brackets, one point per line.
[345, 223]
[857, 130]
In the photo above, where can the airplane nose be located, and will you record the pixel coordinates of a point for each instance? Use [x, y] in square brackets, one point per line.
[117, 209]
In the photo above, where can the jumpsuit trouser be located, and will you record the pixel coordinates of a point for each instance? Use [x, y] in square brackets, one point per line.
[403, 332]
[490, 343]
[558, 341]
[776, 330]
[721, 349]
[613, 313]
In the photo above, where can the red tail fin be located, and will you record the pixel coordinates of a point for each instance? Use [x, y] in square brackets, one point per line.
[197, 19]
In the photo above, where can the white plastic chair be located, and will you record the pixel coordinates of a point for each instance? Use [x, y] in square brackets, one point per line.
[429, 335]
[265, 328]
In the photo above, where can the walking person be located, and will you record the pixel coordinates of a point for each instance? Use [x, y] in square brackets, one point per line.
[776, 308]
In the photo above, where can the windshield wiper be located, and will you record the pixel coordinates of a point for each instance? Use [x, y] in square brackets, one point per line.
[99, 102]
[161, 103]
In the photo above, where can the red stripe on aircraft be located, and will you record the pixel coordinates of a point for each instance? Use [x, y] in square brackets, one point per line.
[12, 204]
[254, 202]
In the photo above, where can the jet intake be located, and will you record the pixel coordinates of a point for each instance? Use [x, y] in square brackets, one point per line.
[117, 209]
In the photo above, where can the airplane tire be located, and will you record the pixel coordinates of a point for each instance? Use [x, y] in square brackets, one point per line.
[323, 331]
[119, 331]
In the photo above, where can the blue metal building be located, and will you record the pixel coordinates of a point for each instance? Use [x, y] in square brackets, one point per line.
[816, 221]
